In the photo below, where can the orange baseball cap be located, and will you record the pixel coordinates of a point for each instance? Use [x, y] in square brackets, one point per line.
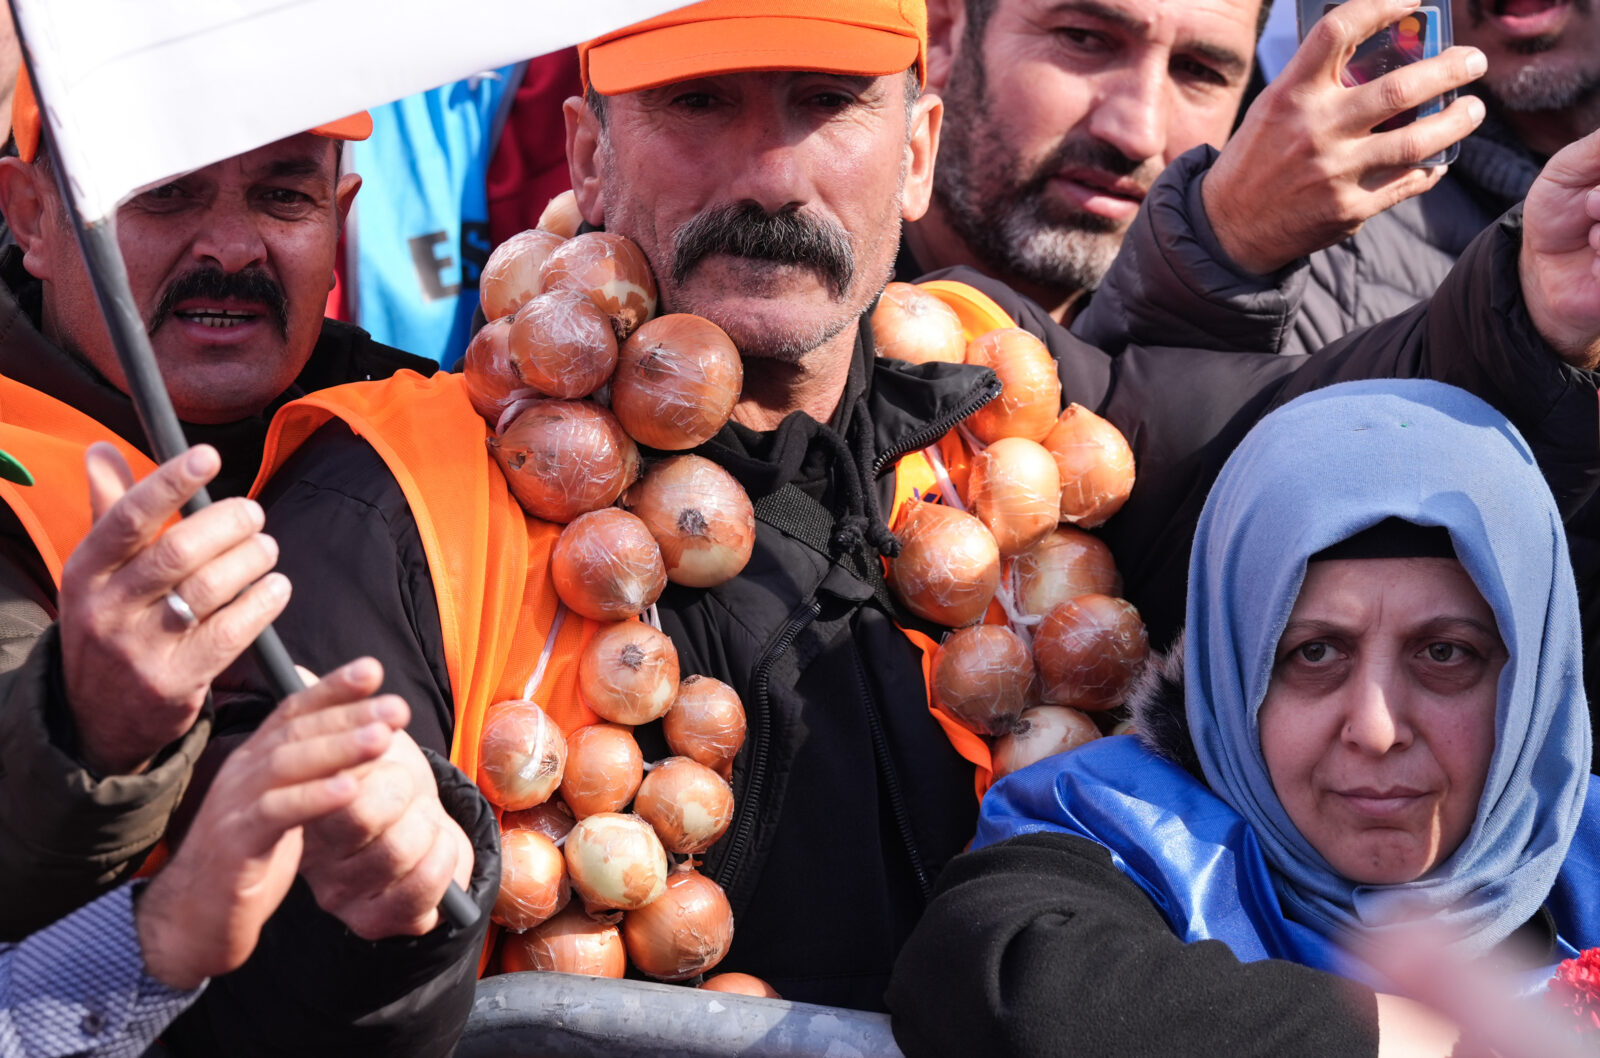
[25, 122]
[869, 38]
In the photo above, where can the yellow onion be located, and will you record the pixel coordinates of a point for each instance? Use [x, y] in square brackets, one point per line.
[521, 755]
[1016, 492]
[688, 804]
[561, 216]
[1064, 565]
[1096, 466]
[1041, 732]
[628, 673]
[573, 942]
[562, 345]
[685, 932]
[1089, 651]
[740, 985]
[981, 676]
[493, 384]
[533, 880]
[949, 566]
[552, 818]
[616, 861]
[1030, 394]
[913, 325]
[512, 275]
[606, 565]
[706, 723]
[563, 458]
[611, 270]
[604, 769]
[677, 380]
[700, 517]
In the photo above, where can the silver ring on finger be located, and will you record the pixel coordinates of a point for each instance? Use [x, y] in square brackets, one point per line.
[181, 608]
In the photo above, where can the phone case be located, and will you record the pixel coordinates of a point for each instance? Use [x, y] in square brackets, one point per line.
[1420, 35]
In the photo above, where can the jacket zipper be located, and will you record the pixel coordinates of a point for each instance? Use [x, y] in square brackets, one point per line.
[933, 431]
[891, 781]
[749, 796]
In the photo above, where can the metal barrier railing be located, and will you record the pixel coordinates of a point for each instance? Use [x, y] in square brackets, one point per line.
[552, 1015]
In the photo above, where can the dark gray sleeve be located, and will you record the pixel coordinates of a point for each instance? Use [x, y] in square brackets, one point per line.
[1039, 946]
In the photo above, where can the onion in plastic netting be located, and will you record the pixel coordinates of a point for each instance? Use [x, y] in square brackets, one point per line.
[1064, 565]
[572, 942]
[493, 384]
[981, 677]
[699, 515]
[533, 880]
[604, 769]
[563, 458]
[561, 216]
[949, 566]
[740, 985]
[913, 325]
[1089, 651]
[1041, 732]
[553, 819]
[561, 345]
[512, 275]
[1016, 491]
[628, 673]
[1030, 397]
[676, 382]
[606, 565]
[685, 932]
[706, 723]
[616, 861]
[689, 805]
[612, 271]
[521, 755]
[1096, 466]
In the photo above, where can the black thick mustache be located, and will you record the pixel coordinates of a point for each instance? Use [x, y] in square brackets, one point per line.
[1479, 8]
[213, 284]
[787, 237]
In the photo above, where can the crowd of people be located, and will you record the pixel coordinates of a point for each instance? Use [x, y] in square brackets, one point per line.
[1362, 394]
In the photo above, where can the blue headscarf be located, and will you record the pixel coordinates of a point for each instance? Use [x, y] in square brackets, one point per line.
[1317, 471]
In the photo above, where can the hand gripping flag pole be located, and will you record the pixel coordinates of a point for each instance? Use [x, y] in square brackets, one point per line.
[109, 276]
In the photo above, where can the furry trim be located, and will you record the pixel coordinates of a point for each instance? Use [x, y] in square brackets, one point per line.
[1158, 712]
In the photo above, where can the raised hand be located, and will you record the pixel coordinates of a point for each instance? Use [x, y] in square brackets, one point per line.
[1304, 170]
[1560, 262]
[202, 914]
[150, 617]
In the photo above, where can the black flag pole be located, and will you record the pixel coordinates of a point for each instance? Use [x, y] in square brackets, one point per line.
[108, 274]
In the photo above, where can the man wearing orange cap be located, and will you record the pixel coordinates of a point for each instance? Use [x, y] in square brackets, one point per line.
[115, 633]
[764, 154]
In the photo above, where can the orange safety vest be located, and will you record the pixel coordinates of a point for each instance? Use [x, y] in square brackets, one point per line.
[490, 562]
[50, 438]
[915, 478]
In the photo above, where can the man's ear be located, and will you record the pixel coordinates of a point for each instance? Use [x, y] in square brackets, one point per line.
[584, 143]
[344, 195]
[947, 24]
[23, 204]
[927, 117]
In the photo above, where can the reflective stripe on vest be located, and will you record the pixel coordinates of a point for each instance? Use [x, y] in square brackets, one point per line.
[50, 438]
[916, 479]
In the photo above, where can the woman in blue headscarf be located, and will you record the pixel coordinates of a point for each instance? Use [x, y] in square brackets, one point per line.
[1376, 719]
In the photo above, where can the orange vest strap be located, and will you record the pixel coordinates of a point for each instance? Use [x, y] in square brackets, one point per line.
[489, 561]
[969, 744]
[979, 313]
[49, 438]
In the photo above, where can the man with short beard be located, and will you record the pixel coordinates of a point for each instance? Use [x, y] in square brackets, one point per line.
[116, 618]
[1061, 116]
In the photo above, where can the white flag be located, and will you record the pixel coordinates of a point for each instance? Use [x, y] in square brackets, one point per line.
[136, 91]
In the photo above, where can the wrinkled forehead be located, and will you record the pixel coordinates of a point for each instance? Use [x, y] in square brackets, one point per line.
[1229, 25]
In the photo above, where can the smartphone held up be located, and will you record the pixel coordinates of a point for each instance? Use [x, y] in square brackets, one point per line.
[1422, 34]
